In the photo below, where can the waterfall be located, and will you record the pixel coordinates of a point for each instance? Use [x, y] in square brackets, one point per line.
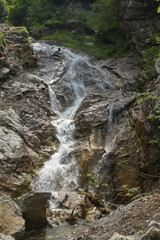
[70, 78]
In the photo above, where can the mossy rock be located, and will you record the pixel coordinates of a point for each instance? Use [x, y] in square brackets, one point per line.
[20, 31]
[2, 41]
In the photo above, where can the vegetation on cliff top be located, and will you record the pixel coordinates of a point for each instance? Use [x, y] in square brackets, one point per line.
[98, 19]
[91, 26]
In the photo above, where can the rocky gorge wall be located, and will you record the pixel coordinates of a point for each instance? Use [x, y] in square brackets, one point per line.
[117, 144]
[139, 20]
[23, 93]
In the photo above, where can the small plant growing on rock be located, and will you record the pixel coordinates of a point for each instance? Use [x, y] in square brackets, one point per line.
[92, 177]
[130, 192]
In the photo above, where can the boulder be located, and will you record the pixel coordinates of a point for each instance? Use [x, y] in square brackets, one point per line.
[6, 237]
[34, 210]
[11, 221]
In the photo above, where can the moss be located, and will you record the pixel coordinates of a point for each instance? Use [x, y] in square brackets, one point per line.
[20, 31]
[156, 36]
[2, 41]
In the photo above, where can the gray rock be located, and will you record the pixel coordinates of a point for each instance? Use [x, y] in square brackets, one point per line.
[153, 233]
[4, 72]
[34, 210]
[11, 221]
[6, 237]
[154, 224]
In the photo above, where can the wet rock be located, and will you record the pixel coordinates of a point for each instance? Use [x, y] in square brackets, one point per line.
[5, 237]
[11, 221]
[34, 210]
[123, 72]
[153, 233]
[27, 136]
[104, 108]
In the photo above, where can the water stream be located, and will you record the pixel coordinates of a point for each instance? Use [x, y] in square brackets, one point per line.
[70, 78]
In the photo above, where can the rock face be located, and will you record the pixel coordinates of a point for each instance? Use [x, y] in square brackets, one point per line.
[117, 123]
[34, 210]
[139, 19]
[27, 135]
[11, 220]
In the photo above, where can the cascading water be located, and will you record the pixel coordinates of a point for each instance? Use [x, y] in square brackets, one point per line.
[68, 83]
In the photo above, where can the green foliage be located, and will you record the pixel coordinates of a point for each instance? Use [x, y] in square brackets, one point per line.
[20, 30]
[146, 96]
[18, 11]
[92, 177]
[153, 141]
[156, 36]
[130, 192]
[104, 15]
[3, 9]
[148, 60]
[105, 185]
[158, 9]
[2, 40]
[90, 45]
[155, 116]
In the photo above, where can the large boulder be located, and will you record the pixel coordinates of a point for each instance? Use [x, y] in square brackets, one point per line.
[34, 210]
[11, 221]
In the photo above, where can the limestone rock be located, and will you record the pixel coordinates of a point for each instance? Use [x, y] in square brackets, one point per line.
[123, 72]
[5, 237]
[4, 72]
[34, 210]
[11, 220]
[118, 236]
[27, 135]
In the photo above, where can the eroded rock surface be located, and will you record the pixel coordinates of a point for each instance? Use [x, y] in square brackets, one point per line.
[34, 210]
[11, 220]
[26, 134]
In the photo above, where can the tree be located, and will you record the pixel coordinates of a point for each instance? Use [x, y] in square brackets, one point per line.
[18, 11]
[3, 9]
[104, 15]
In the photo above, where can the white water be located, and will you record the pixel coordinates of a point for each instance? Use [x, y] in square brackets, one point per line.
[60, 173]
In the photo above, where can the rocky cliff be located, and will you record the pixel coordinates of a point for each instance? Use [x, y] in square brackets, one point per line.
[116, 126]
[139, 20]
[26, 133]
